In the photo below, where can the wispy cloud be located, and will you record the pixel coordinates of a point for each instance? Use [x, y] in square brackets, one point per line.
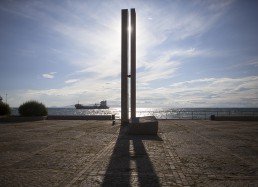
[192, 82]
[206, 92]
[177, 26]
[88, 37]
[99, 38]
[253, 62]
[49, 75]
[86, 90]
[71, 81]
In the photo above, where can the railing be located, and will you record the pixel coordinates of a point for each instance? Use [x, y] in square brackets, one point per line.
[158, 113]
[170, 114]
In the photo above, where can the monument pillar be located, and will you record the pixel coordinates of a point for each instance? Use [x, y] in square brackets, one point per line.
[133, 63]
[124, 67]
[138, 125]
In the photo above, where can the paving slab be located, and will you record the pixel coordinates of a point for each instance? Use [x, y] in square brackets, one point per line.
[98, 153]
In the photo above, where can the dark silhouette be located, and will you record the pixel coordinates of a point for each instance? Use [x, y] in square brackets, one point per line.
[124, 66]
[120, 171]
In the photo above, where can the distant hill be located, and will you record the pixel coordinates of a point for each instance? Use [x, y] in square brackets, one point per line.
[68, 106]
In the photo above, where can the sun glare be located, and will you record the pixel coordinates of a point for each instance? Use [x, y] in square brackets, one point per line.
[129, 29]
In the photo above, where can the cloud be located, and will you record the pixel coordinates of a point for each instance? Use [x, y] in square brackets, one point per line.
[71, 81]
[253, 62]
[166, 64]
[49, 75]
[93, 35]
[97, 40]
[191, 82]
[176, 25]
[207, 92]
[219, 5]
[86, 90]
[101, 42]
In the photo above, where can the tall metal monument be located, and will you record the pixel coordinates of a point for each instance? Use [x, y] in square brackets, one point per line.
[138, 125]
[124, 67]
[124, 64]
[133, 63]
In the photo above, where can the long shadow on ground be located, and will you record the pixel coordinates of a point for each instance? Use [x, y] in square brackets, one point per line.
[129, 164]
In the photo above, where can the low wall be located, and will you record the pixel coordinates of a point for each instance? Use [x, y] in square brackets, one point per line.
[17, 119]
[90, 117]
[234, 118]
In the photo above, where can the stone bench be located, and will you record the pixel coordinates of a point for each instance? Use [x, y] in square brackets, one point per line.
[143, 126]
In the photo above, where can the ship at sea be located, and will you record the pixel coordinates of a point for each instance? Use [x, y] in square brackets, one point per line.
[102, 105]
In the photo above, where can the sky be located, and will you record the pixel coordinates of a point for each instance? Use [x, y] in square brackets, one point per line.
[199, 53]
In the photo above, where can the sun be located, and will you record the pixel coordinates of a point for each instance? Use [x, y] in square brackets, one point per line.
[129, 29]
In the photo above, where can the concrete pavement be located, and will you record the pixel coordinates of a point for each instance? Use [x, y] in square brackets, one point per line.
[97, 153]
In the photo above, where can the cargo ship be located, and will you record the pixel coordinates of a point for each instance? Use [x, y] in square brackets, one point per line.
[102, 105]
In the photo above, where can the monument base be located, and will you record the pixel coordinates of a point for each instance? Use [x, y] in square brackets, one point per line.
[143, 126]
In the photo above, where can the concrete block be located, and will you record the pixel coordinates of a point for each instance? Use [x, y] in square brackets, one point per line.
[147, 125]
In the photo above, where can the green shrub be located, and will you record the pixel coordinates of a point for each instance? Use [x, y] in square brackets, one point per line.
[32, 108]
[4, 109]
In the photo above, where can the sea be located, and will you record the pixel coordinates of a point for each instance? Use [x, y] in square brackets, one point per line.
[159, 113]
